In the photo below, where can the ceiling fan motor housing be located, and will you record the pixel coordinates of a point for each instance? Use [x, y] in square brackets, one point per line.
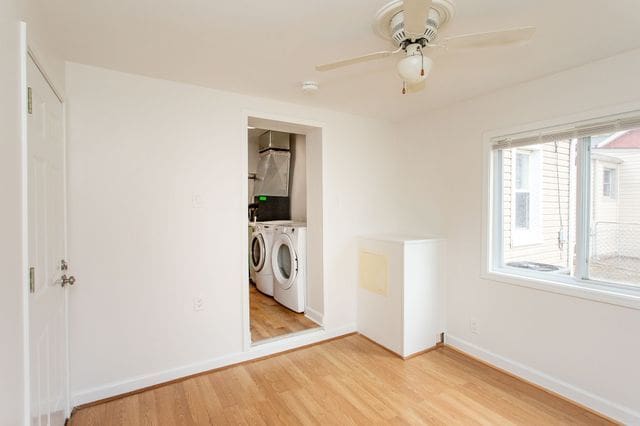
[399, 36]
[389, 22]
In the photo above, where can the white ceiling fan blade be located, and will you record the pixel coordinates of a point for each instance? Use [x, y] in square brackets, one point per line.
[355, 60]
[489, 39]
[416, 13]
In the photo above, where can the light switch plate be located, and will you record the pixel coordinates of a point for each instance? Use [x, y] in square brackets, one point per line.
[198, 304]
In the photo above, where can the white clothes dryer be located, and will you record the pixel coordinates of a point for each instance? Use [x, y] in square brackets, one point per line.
[289, 265]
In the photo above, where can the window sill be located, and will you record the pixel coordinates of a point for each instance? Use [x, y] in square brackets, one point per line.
[568, 286]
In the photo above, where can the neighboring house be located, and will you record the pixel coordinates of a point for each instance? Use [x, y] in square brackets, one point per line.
[538, 203]
[540, 196]
[615, 221]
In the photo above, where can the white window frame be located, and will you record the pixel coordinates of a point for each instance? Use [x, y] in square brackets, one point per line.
[533, 235]
[492, 241]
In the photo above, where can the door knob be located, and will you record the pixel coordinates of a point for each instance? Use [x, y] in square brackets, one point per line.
[68, 280]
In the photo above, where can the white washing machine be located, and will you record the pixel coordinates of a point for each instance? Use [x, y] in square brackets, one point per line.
[289, 265]
[260, 253]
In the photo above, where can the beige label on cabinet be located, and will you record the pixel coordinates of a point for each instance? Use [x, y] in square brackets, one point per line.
[373, 272]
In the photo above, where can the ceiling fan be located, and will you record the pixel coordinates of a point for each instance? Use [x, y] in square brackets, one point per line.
[412, 26]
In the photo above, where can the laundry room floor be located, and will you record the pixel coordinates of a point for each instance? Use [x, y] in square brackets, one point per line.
[271, 319]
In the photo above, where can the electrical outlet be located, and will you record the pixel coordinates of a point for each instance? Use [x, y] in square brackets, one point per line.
[473, 326]
[197, 201]
[198, 304]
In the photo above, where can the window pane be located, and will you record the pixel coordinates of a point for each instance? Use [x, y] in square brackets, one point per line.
[608, 182]
[522, 171]
[538, 207]
[522, 210]
[614, 237]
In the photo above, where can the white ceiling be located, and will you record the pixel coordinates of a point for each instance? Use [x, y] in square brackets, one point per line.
[267, 48]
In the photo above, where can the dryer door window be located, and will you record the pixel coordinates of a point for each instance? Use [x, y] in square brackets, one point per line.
[285, 262]
[258, 253]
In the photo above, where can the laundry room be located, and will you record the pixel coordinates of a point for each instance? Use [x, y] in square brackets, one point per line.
[278, 235]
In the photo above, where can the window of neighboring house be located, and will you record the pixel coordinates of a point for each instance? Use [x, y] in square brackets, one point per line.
[548, 215]
[609, 182]
[525, 197]
[522, 191]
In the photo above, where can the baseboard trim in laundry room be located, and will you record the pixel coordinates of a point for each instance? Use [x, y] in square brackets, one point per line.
[313, 315]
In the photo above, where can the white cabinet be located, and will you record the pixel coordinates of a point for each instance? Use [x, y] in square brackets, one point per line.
[401, 292]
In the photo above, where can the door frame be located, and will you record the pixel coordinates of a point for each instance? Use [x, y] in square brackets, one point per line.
[28, 52]
[314, 133]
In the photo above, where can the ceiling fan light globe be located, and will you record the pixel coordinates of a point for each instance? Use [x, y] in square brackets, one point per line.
[410, 68]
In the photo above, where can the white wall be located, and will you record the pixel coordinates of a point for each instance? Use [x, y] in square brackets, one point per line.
[40, 42]
[298, 178]
[138, 150]
[254, 156]
[588, 350]
[11, 365]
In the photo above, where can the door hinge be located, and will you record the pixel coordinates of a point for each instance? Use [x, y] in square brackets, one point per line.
[32, 280]
[29, 100]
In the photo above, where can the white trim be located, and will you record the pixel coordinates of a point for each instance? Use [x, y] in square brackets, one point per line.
[583, 203]
[581, 396]
[313, 315]
[25, 226]
[567, 286]
[285, 124]
[244, 282]
[257, 351]
[66, 256]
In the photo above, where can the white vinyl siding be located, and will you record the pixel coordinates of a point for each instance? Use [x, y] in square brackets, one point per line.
[555, 190]
[628, 185]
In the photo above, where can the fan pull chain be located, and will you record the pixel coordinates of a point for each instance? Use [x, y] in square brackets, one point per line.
[404, 87]
[422, 70]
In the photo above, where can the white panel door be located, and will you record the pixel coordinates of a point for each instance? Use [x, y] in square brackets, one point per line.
[47, 246]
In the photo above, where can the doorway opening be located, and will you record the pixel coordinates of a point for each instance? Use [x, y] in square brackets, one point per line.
[283, 280]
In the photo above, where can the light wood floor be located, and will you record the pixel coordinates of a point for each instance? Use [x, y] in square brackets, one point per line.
[345, 381]
[271, 319]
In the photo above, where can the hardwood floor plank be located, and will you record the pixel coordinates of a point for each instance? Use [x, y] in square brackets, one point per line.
[148, 409]
[348, 381]
[270, 319]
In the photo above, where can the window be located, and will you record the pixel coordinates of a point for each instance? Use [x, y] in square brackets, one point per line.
[522, 191]
[525, 197]
[608, 182]
[566, 204]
